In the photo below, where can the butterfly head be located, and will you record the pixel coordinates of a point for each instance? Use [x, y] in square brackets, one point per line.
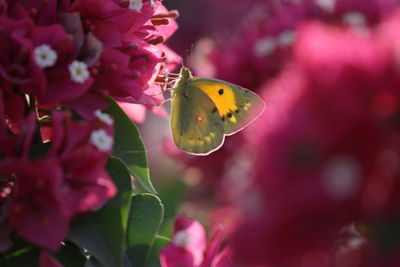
[185, 74]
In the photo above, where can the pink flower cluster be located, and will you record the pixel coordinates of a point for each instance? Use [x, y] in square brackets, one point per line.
[262, 43]
[319, 170]
[188, 247]
[59, 61]
[326, 178]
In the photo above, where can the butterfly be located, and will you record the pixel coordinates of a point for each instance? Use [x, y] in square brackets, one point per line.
[204, 111]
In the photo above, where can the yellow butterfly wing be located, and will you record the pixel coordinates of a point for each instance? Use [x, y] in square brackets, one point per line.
[204, 110]
[236, 106]
[196, 126]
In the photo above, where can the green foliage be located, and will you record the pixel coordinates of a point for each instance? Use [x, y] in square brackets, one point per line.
[159, 243]
[125, 231]
[129, 147]
[70, 255]
[171, 194]
[145, 219]
[21, 254]
[102, 233]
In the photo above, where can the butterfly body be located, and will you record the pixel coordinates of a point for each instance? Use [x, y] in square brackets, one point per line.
[205, 110]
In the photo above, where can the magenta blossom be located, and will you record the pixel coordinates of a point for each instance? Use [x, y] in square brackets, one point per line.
[17, 64]
[255, 54]
[324, 151]
[40, 61]
[125, 73]
[47, 193]
[54, 53]
[112, 22]
[83, 150]
[14, 108]
[188, 246]
[36, 211]
[134, 55]
[41, 12]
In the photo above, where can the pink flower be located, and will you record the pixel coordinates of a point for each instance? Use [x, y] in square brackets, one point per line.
[82, 150]
[40, 61]
[133, 55]
[188, 246]
[111, 21]
[164, 21]
[46, 260]
[61, 84]
[126, 72]
[261, 44]
[129, 73]
[36, 210]
[17, 64]
[13, 109]
[42, 13]
[47, 193]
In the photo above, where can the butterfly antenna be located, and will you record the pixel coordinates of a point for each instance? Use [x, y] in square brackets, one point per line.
[182, 64]
[189, 53]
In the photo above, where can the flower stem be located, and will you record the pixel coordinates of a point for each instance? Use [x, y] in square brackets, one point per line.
[37, 137]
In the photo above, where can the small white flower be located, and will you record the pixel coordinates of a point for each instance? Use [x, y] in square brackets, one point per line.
[327, 5]
[356, 242]
[101, 140]
[341, 177]
[45, 56]
[286, 38]
[355, 19]
[264, 46]
[107, 119]
[79, 71]
[136, 5]
[152, 3]
[182, 239]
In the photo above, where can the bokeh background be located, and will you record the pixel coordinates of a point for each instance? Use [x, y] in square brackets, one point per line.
[315, 180]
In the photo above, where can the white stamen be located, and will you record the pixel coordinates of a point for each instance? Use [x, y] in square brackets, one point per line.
[341, 177]
[79, 71]
[107, 119]
[101, 140]
[135, 5]
[182, 239]
[44, 56]
[152, 3]
[264, 46]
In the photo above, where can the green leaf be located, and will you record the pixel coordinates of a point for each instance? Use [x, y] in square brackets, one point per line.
[70, 256]
[171, 194]
[144, 221]
[92, 263]
[22, 253]
[159, 243]
[129, 147]
[103, 233]
[386, 236]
